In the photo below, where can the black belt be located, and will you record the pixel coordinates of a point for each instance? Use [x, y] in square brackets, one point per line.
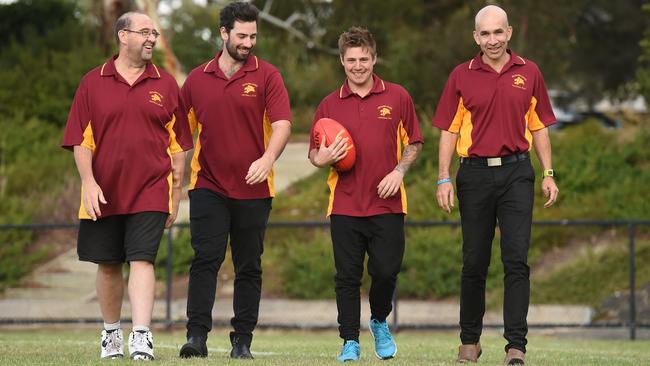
[502, 160]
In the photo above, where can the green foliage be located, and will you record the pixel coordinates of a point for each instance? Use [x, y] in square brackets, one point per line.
[13, 262]
[41, 80]
[45, 52]
[46, 49]
[595, 183]
[19, 18]
[586, 157]
[194, 33]
[643, 72]
[308, 270]
[592, 278]
[24, 179]
[607, 38]
[24, 144]
[182, 253]
[431, 266]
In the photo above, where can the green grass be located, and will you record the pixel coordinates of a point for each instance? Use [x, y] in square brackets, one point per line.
[73, 347]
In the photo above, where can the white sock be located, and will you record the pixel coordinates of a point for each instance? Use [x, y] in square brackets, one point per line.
[114, 326]
[140, 328]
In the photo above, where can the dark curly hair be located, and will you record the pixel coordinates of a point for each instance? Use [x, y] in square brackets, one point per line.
[237, 11]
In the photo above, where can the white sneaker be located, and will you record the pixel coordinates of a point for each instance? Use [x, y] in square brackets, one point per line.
[141, 345]
[112, 344]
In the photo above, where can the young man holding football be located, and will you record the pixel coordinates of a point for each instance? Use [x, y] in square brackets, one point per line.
[368, 202]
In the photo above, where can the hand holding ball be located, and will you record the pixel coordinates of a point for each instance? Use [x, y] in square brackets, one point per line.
[329, 130]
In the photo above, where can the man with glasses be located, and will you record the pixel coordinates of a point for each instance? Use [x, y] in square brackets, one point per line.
[129, 142]
[240, 107]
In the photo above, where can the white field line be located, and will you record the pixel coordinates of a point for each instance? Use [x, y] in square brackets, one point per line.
[165, 346]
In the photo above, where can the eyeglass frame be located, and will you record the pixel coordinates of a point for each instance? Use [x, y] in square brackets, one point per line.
[142, 32]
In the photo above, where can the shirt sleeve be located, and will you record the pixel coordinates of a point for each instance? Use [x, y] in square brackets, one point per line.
[180, 137]
[450, 108]
[540, 112]
[78, 128]
[277, 98]
[410, 122]
[186, 105]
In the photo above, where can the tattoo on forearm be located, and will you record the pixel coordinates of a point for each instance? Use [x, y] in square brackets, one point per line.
[410, 153]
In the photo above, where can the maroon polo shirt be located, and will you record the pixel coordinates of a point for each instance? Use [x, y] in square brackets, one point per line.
[132, 131]
[381, 124]
[494, 113]
[234, 118]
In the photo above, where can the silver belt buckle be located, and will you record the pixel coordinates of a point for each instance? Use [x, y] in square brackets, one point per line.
[494, 161]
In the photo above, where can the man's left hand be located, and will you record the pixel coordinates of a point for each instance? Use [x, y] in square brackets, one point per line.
[259, 170]
[550, 191]
[171, 218]
[390, 184]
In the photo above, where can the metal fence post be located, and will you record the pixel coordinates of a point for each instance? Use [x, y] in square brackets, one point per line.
[632, 234]
[170, 253]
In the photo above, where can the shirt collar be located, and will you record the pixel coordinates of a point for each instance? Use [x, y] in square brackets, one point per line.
[378, 86]
[251, 64]
[477, 62]
[108, 69]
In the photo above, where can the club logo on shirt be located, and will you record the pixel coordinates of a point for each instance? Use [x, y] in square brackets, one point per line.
[384, 111]
[519, 81]
[155, 98]
[249, 90]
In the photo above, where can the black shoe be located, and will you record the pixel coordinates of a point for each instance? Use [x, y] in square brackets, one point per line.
[240, 350]
[195, 347]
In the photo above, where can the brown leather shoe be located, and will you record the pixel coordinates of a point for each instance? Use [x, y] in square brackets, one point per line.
[514, 357]
[469, 352]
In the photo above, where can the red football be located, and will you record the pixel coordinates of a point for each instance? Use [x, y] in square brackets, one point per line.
[331, 129]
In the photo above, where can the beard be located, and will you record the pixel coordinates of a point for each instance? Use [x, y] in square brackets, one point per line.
[232, 51]
[141, 52]
[146, 56]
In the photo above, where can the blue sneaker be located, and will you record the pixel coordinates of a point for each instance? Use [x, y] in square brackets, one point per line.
[351, 351]
[385, 346]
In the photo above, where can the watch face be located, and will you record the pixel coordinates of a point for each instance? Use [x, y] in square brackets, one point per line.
[549, 173]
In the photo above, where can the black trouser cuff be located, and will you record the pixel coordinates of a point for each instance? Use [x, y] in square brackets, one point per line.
[197, 333]
[241, 338]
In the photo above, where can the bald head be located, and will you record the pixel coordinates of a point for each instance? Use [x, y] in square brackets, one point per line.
[492, 33]
[490, 13]
[136, 37]
[125, 21]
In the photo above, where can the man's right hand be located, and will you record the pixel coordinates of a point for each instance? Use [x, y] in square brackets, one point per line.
[328, 155]
[445, 196]
[93, 196]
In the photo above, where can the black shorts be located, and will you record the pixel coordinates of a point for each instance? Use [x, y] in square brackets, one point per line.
[121, 238]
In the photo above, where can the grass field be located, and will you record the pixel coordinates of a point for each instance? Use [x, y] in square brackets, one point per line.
[81, 347]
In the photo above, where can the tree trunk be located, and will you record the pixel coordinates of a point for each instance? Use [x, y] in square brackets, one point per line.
[110, 10]
[170, 62]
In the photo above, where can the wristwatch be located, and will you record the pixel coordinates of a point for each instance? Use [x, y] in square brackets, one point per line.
[548, 173]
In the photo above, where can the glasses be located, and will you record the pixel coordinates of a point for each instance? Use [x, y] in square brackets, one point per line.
[145, 32]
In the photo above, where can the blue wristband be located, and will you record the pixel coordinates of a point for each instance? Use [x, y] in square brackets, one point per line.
[441, 181]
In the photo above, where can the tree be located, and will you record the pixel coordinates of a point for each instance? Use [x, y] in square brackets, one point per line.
[40, 66]
[643, 72]
[607, 47]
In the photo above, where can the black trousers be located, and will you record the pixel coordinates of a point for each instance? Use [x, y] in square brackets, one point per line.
[213, 218]
[382, 237]
[487, 196]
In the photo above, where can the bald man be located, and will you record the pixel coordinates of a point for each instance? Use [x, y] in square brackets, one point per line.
[493, 111]
[129, 142]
